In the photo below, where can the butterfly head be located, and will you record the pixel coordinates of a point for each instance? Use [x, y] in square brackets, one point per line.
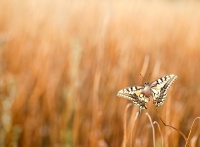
[146, 84]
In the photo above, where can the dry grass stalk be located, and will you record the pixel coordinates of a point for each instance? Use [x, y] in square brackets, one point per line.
[156, 123]
[131, 136]
[133, 124]
[125, 124]
[188, 138]
[153, 129]
[181, 133]
[56, 50]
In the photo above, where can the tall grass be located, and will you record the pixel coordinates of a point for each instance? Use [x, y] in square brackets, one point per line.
[62, 63]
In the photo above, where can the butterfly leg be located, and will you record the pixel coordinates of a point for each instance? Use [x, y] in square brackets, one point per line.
[159, 102]
[140, 109]
[142, 105]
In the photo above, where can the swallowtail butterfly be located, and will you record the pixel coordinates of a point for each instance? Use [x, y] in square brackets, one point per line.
[140, 95]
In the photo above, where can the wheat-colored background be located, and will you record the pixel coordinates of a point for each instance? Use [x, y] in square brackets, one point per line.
[62, 63]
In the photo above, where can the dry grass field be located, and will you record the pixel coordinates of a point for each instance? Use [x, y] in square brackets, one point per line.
[63, 62]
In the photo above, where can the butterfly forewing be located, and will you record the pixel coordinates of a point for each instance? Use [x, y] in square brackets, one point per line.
[134, 94]
[140, 94]
[159, 88]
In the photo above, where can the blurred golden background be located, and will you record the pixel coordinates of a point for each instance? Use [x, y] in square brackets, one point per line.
[62, 63]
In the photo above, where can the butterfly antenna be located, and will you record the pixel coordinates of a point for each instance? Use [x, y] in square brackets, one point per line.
[142, 77]
[149, 76]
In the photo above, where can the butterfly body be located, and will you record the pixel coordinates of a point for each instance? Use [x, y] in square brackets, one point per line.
[140, 95]
[147, 90]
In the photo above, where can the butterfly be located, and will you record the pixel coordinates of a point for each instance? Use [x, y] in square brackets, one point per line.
[140, 95]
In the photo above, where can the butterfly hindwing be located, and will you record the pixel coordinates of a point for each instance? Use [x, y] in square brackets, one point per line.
[134, 94]
[159, 88]
[140, 95]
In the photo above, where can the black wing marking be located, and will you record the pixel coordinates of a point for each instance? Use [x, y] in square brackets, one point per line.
[160, 87]
[134, 94]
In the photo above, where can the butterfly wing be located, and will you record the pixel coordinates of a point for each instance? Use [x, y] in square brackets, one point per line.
[160, 87]
[134, 94]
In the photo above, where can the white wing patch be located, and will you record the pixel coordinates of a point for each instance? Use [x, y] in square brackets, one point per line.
[158, 90]
[160, 87]
[134, 94]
